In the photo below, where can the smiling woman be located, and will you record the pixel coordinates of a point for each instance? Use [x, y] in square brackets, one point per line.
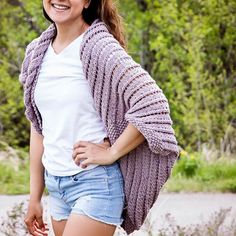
[65, 12]
[101, 135]
[60, 7]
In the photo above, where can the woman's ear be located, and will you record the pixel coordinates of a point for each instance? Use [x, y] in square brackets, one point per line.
[87, 4]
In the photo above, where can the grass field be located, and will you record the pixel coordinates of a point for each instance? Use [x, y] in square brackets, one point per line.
[193, 173]
[14, 181]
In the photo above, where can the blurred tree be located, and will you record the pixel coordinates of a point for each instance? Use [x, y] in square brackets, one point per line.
[194, 43]
[20, 22]
[189, 48]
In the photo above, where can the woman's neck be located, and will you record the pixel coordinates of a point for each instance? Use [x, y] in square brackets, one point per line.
[68, 32]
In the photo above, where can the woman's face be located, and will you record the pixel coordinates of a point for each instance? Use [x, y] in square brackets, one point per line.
[65, 11]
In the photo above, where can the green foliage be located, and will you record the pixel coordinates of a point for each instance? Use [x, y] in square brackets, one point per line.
[194, 47]
[12, 111]
[230, 186]
[187, 165]
[20, 22]
[193, 173]
[220, 169]
[12, 181]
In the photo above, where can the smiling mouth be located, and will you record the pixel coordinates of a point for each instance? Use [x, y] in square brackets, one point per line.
[60, 7]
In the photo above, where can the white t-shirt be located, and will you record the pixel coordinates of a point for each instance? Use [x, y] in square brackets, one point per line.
[66, 105]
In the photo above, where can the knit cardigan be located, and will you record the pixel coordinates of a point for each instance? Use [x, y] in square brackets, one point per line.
[123, 93]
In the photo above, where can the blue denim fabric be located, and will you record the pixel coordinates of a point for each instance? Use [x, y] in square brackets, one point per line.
[97, 193]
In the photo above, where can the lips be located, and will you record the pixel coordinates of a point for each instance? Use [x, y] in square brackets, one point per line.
[60, 6]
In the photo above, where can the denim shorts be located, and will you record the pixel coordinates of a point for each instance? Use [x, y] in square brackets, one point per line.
[97, 193]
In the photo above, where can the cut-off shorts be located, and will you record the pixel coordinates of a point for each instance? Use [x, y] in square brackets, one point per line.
[97, 193]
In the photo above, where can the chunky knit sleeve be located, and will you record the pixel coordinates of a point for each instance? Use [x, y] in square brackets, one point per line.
[26, 61]
[148, 108]
[128, 90]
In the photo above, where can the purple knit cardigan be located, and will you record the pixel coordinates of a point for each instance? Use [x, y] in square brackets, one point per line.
[123, 93]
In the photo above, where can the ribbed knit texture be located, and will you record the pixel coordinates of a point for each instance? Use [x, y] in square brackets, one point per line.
[123, 93]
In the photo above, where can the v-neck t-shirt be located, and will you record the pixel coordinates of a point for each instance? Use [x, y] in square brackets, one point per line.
[63, 98]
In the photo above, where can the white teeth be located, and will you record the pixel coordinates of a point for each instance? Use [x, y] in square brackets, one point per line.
[60, 7]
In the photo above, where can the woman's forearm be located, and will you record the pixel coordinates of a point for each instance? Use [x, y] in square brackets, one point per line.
[127, 141]
[85, 152]
[36, 166]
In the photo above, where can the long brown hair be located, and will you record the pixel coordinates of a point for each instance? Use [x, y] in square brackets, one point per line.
[106, 11]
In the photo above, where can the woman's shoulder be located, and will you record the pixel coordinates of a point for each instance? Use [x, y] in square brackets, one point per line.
[48, 33]
[31, 45]
[97, 34]
[28, 52]
[99, 40]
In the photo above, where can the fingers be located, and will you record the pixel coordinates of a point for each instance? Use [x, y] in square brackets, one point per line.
[85, 163]
[82, 147]
[80, 162]
[86, 153]
[39, 221]
[104, 145]
[30, 225]
[40, 230]
[79, 158]
[81, 143]
[79, 150]
[36, 226]
[79, 155]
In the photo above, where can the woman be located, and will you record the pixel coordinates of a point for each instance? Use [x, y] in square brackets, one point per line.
[101, 137]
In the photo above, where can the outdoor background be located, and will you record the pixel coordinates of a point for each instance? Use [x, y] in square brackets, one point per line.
[188, 47]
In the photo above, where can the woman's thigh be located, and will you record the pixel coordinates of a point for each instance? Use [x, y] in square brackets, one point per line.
[80, 225]
[58, 226]
[97, 194]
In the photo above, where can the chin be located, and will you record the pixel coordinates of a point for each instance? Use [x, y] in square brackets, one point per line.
[59, 19]
[58, 16]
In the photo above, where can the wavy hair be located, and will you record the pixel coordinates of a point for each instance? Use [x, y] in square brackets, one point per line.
[106, 11]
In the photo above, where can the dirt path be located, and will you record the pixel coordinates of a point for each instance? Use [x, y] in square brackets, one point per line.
[186, 208]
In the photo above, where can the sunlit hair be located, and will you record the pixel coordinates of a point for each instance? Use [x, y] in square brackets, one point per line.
[107, 11]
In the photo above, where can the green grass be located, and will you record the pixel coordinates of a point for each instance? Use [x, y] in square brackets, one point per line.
[191, 173]
[12, 181]
[194, 174]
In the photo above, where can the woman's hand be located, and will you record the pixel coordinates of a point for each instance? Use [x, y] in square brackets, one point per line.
[34, 219]
[85, 152]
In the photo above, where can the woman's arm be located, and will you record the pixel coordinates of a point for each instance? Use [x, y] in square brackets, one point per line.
[36, 166]
[127, 141]
[34, 216]
[92, 153]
